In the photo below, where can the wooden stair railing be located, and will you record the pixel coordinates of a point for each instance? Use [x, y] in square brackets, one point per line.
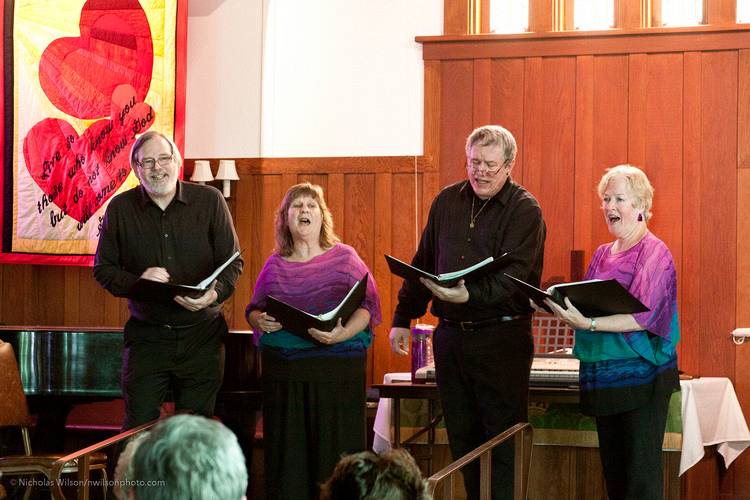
[522, 433]
[83, 462]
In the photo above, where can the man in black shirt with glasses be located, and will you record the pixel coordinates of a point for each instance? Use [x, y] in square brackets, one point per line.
[483, 345]
[168, 230]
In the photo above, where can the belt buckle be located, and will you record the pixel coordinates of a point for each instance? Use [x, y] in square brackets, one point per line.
[466, 326]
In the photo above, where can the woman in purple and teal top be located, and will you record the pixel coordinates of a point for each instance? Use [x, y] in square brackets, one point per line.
[313, 392]
[628, 361]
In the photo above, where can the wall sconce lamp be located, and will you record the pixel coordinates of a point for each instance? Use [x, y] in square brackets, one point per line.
[227, 172]
[202, 172]
[739, 335]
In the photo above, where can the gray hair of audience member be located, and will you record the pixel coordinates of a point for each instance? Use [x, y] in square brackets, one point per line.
[124, 470]
[189, 456]
[148, 136]
[394, 475]
[493, 135]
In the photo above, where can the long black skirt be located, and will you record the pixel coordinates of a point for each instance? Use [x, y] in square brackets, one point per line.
[313, 413]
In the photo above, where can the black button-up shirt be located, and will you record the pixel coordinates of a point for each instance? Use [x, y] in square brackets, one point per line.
[192, 237]
[510, 222]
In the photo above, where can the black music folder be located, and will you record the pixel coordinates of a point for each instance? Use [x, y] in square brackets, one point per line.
[166, 291]
[297, 321]
[591, 297]
[482, 268]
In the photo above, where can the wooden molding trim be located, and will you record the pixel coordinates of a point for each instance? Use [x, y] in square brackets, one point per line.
[329, 165]
[653, 40]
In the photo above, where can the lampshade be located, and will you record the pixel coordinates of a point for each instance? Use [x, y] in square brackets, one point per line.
[202, 172]
[227, 172]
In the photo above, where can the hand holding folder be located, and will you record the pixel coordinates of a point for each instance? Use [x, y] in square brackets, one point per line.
[298, 322]
[592, 298]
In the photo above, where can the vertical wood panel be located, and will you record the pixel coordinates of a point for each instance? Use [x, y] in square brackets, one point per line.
[456, 96]
[432, 111]
[638, 112]
[742, 319]
[383, 239]
[549, 154]
[587, 202]
[482, 92]
[691, 216]
[507, 94]
[610, 139]
[455, 17]
[718, 205]
[663, 147]
[335, 198]
[743, 110]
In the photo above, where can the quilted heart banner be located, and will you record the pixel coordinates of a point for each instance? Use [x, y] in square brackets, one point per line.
[82, 79]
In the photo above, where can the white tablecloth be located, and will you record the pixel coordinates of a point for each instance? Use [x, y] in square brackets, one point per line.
[382, 427]
[711, 415]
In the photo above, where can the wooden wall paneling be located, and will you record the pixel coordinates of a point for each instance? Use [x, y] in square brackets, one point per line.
[533, 128]
[718, 229]
[335, 197]
[589, 477]
[556, 462]
[15, 287]
[359, 206]
[382, 240]
[482, 92]
[404, 233]
[112, 305]
[610, 139]
[638, 112]
[587, 202]
[743, 110]
[90, 293]
[628, 14]
[663, 147]
[72, 305]
[51, 293]
[432, 115]
[507, 99]
[456, 98]
[556, 183]
[455, 17]
[319, 179]
[246, 216]
[541, 15]
[579, 43]
[742, 318]
[720, 12]
[689, 288]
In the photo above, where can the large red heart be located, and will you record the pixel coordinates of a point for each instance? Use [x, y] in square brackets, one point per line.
[78, 75]
[79, 174]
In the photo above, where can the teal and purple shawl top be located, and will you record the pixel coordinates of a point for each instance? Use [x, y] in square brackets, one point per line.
[621, 371]
[316, 286]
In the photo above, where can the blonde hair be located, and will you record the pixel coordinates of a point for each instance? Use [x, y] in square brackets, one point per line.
[284, 242]
[637, 182]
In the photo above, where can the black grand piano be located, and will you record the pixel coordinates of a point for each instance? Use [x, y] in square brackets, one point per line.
[64, 366]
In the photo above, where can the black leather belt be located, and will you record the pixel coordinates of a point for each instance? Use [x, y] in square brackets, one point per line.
[469, 326]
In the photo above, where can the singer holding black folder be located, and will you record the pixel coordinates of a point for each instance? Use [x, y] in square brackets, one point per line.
[168, 230]
[313, 386]
[483, 344]
[628, 367]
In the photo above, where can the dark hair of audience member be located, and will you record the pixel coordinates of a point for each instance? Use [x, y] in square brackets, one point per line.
[393, 475]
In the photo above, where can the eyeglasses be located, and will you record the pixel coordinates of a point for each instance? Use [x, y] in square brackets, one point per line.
[490, 168]
[150, 163]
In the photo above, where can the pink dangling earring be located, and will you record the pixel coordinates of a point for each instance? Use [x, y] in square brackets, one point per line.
[640, 217]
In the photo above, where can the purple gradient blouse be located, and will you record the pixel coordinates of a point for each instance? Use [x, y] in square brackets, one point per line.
[318, 285]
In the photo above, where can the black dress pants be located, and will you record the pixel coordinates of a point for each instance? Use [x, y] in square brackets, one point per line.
[630, 447]
[483, 379]
[189, 361]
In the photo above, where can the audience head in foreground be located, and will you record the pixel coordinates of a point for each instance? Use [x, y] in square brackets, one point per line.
[189, 456]
[393, 475]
